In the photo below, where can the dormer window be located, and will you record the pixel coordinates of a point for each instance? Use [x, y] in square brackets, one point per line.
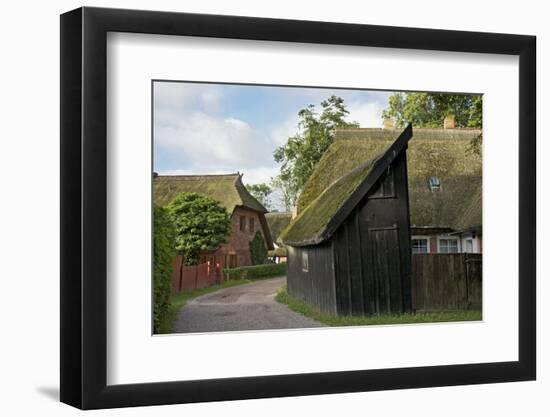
[435, 184]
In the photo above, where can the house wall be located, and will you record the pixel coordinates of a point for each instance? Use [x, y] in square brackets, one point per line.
[238, 242]
[433, 242]
[313, 282]
[372, 258]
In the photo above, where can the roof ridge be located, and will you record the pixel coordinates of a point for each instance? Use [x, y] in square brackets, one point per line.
[416, 129]
[196, 176]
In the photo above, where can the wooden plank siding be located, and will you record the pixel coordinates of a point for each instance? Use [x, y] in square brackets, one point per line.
[315, 285]
[447, 281]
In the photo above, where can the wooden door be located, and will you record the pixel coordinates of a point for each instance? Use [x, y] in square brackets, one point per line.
[386, 269]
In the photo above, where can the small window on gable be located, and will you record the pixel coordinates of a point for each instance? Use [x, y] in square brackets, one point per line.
[305, 262]
[251, 224]
[385, 187]
[435, 184]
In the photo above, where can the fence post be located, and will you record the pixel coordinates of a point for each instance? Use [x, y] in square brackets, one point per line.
[467, 283]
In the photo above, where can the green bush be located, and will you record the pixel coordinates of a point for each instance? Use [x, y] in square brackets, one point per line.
[164, 252]
[257, 271]
[258, 251]
[201, 223]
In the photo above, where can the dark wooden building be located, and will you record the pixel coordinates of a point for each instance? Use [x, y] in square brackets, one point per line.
[349, 250]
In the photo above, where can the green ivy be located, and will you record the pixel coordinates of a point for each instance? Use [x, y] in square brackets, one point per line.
[164, 252]
[258, 251]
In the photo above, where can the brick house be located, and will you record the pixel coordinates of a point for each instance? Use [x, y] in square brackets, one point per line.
[445, 182]
[247, 214]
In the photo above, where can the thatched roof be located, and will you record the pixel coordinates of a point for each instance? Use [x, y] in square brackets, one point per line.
[441, 153]
[322, 215]
[227, 189]
[277, 221]
[279, 252]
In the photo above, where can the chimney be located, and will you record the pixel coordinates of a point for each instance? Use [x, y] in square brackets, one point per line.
[389, 123]
[449, 122]
[293, 212]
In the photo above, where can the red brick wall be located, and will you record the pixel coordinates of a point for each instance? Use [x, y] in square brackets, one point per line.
[238, 242]
[433, 243]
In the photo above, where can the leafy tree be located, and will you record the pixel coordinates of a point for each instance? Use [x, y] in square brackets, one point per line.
[201, 224]
[288, 190]
[429, 110]
[164, 250]
[301, 153]
[258, 251]
[261, 192]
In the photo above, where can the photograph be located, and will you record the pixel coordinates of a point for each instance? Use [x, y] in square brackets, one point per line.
[297, 207]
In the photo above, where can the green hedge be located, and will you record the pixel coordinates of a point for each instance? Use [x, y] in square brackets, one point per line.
[257, 271]
[164, 251]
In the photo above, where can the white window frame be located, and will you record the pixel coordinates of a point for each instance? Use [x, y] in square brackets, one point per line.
[440, 238]
[426, 238]
[305, 261]
[465, 244]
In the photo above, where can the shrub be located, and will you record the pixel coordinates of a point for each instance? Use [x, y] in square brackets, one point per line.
[258, 251]
[257, 271]
[164, 252]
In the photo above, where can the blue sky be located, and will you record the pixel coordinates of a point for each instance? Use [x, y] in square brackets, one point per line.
[217, 128]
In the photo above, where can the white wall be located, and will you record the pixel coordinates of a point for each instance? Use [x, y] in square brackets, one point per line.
[29, 219]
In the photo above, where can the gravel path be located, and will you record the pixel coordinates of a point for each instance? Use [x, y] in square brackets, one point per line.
[243, 307]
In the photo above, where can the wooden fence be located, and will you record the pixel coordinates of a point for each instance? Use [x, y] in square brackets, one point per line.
[186, 278]
[447, 281]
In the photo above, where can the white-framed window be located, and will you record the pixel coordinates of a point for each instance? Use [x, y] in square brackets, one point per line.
[305, 262]
[420, 244]
[448, 245]
[469, 245]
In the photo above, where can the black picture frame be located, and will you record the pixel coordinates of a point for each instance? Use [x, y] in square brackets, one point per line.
[84, 207]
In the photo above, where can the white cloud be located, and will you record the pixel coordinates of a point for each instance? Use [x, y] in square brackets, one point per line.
[176, 96]
[210, 142]
[280, 133]
[368, 114]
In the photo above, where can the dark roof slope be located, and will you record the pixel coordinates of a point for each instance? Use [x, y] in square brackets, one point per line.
[325, 213]
[277, 221]
[442, 153]
[228, 189]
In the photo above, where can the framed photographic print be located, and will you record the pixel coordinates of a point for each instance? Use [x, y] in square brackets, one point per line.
[256, 207]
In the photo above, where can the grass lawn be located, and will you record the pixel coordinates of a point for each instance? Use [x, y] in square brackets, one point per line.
[420, 317]
[177, 301]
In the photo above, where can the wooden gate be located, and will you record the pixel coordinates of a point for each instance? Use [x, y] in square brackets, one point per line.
[447, 281]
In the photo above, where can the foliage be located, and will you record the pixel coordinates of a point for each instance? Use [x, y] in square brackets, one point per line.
[257, 271]
[177, 302]
[301, 153]
[201, 224]
[429, 110]
[308, 310]
[288, 191]
[258, 251]
[164, 251]
[261, 192]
